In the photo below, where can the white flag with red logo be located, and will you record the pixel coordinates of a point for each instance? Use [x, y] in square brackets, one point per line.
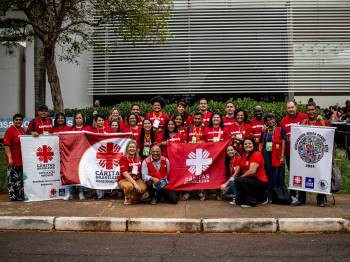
[197, 166]
[41, 168]
[90, 159]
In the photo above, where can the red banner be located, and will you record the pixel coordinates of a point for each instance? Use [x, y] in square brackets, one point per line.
[90, 159]
[197, 166]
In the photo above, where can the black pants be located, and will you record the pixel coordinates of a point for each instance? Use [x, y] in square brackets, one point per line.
[169, 196]
[250, 190]
[292, 191]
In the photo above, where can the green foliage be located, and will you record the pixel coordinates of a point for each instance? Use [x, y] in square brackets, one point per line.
[3, 174]
[345, 171]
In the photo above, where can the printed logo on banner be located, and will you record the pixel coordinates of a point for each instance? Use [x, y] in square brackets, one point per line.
[198, 162]
[323, 185]
[108, 155]
[311, 147]
[61, 191]
[297, 181]
[309, 182]
[44, 153]
[53, 192]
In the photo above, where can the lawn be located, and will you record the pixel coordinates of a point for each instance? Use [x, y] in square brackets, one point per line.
[344, 167]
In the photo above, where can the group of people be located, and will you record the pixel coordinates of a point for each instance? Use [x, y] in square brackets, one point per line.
[255, 160]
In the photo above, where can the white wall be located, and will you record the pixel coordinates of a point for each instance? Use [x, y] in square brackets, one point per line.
[9, 81]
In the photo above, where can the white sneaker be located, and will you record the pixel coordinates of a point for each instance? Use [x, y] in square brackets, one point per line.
[68, 196]
[100, 193]
[81, 196]
[245, 206]
[233, 202]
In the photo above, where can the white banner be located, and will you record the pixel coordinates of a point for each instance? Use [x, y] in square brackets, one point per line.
[41, 168]
[311, 153]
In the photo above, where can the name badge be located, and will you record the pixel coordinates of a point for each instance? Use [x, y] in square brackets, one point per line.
[45, 133]
[239, 136]
[146, 151]
[156, 123]
[194, 140]
[134, 169]
[268, 146]
[216, 139]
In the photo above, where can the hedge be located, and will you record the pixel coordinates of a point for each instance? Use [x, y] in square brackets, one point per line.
[277, 108]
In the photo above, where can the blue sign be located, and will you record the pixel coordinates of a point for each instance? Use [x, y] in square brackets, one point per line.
[309, 182]
[6, 122]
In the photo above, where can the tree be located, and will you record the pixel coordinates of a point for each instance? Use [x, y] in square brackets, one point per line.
[69, 23]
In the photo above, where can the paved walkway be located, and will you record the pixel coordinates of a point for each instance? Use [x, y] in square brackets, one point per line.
[184, 209]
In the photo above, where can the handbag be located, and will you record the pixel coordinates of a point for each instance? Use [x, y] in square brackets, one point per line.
[281, 196]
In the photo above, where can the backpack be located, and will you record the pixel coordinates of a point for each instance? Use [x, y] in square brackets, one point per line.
[336, 179]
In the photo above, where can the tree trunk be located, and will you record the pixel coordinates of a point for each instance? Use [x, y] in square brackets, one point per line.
[53, 79]
[39, 74]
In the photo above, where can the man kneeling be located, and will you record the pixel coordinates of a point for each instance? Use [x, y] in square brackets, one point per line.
[155, 170]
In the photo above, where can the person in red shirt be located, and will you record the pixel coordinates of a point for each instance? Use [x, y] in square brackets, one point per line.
[170, 135]
[60, 123]
[216, 132]
[41, 124]
[240, 129]
[130, 175]
[251, 185]
[115, 126]
[195, 131]
[312, 120]
[79, 123]
[180, 126]
[100, 127]
[292, 117]
[181, 110]
[147, 138]
[257, 123]
[229, 118]
[232, 162]
[203, 109]
[157, 117]
[14, 158]
[115, 116]
[132, 128]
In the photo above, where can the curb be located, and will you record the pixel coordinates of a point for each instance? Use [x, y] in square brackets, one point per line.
[26, 223]
[306, 225]
[176, 225]
[240, 225]
[97, 224]
[164, 225]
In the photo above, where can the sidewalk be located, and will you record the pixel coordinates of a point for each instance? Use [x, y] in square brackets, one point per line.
[192, 210]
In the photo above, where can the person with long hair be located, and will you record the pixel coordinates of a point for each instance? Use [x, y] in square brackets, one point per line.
[130, 174]
[170, 135]
[115, 126]
[114, 116]
[60, 123]
[100, 126]
[240, 129]
[272, 145]
[181, 110]
[13, 155]
[147, 138]
[180, 126]
[79, 123]
[157, 116]
[251, 185]
[216, 131]
[232, 162]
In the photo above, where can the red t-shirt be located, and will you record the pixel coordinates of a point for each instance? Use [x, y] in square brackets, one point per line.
[130, 165]
[61, 129]
[187, 121]
[174, 138]
[240, 131]
[161, 117]
[235, 161]
[206, 119]
[12, 140]
[103, 130]
[82, 128]
[41, 125]
[228, 121]
[136, 132]
[306, 122]
[258, 158]
[195, 134]
[183, 132]
[215, 134]
[286, 122]
[257, 126]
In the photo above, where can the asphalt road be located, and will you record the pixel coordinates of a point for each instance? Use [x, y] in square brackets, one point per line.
[70, 247]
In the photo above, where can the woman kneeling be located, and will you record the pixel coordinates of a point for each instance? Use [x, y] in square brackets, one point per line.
[252, 184]
[130, 175]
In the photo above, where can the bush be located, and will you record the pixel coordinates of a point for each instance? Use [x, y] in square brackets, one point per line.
[248, 104]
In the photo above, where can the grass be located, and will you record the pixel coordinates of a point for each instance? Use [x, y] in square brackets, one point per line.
[343, 163]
